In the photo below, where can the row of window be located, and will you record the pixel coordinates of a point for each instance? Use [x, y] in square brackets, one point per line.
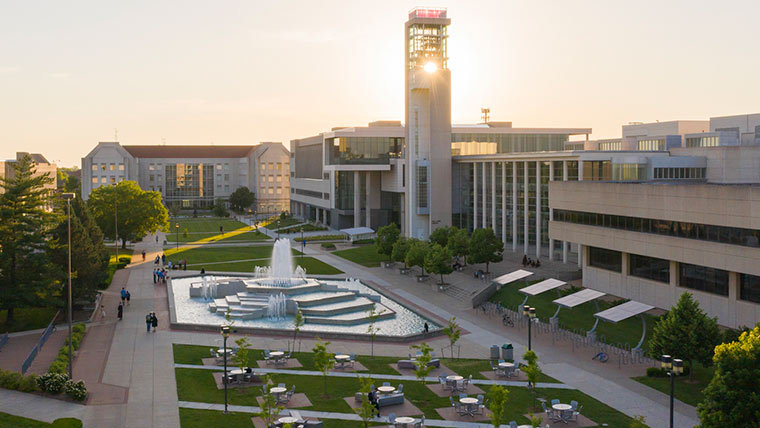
[713, 141]
[611, 145]
[678, 229]
[651, 145]
[104, 179]
[311, 193]
[679, 173]
[274, 165]
[108, 166]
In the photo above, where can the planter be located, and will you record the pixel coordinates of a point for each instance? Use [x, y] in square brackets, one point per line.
[422, 278]
[387, 264]
[404, 271]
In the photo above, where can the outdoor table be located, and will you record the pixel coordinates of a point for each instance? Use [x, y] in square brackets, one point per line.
[452, 380]
[221, 352]
[506, 367]
[562, 410]
[470, 402]
[341, 359]
[525, 426]
[277, 355]
[386, 389]
[277, 390]
[404, 420]
[287, 420]
[235, 373]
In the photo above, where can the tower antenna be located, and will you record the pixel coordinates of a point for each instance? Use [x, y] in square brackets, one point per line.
[116, 135]
[486, 113]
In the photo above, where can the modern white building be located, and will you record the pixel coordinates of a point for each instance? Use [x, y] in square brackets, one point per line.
[194, 176]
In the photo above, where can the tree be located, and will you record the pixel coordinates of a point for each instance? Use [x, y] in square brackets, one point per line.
[241, 199]
[423, 369]
[367, 410]
[269, 408]
[485, 247]
[459, 243]
[323, 360]
[532, 371]
[137, 212]
[68, 181]
[441, 235]
[686, 332]
[731, 398]
[26, 272]
[497, 403]
[386, 238]
[400, 248]
[241, 356]
[297, 323]
[373, 316]
[438, 261]
[219, 209]
[415, 256]
[638, 422]
[453, 332]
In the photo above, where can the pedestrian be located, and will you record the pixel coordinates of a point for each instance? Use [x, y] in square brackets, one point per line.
[128, 297]
[163, 259]
[373, 400]
[102, 312]
[148, 321]
[154, 321]
[123, 295]
[203, 271]
[525, 260]
[427, 328]
[143, 254]
[156, 261]
[120, 311]
[157, 237]
[155, 275]
[184, 264]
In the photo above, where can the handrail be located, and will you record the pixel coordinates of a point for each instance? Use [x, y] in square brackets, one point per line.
[3, 340]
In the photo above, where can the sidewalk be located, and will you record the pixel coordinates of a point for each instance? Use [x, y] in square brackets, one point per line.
[37, 407]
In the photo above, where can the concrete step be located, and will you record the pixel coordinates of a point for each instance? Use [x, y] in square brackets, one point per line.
[361, 304]
[324, 298]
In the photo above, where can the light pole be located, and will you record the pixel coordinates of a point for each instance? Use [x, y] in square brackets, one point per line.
[116, 227]
[303, 244]
[225, 334]
[530, 313]
[176, 227]
[68, 197]
[673, 367]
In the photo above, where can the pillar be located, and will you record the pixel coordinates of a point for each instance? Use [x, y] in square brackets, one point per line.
[564, 252]
[565, 245]
[474, 195]
[526, 209]
[580, 170]
[551, 212]
[357, 200]
[538, 209]
[324, 216]
[485, 223]
[514, 206]
[504, 202]
[493, 198]
[367, 200]
[580, 255]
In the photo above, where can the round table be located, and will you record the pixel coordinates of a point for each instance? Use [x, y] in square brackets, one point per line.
[287, 420]
[562, 407]
[525, 426]
[342, 357]
[386, 389]
[468, 400]
[506, 365]
[235, 372]
[278, 390]
[404, 420]
[454, 378]
[221, 352]
[276, 354]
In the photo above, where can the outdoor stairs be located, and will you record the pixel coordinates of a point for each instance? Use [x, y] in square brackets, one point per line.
[457, 292]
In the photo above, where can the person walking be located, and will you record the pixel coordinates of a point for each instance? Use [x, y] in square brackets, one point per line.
[143, 254]
[154, 321]
[163, 259]
[148, 321]
[120, 311]
[155, 275]
[427, 329]
[123, 295]
[128, 297]
[102, 312]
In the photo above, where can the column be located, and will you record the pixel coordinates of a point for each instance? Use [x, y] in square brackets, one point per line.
[493, 197]
[565, 248]
[538, 209]
[514, 206]
[504, 202]
[580, 170]
[580, 255]
[551, 212]
[474, 195]
[564, 170]
[526, 209]
[485, 224]
[357, 200]
[367, 202]
[564, 252]
[324, 216]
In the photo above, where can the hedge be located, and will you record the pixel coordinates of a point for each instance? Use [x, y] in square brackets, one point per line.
[324, 238]
[61, 363]
[18, 382]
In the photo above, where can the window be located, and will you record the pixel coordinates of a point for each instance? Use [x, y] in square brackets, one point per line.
[605, 259]
[703, 278]
[121, 167]
[279, 166]
[226, 177]
[279, 178]
[422, 189]
[263, 166]
[94, 167]
[749, 288]
[218, 167]
[279, 190]
[649, 268]
[271, 166]
[94, 180]
[152, 167]
[711, 141]
[102, 179]
[102, 167]
[270, 191]
[112, 179]
[610, 145]
[326, 175]
[112, 167]
[651, 145]
[151, 177]
[271, 179]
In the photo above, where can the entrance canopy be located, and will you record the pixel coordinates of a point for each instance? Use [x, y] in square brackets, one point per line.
[358, 233]
[512, 277]
[541, 287]
[575, 299]
[622, 312]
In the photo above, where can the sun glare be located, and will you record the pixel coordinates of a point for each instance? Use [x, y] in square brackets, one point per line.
[430, 67]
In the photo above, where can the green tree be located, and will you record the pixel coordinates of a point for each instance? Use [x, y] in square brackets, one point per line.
[400, 248]
[532, 370]
[373, 316]
[638, 422]
[241, 199]
[27, 276]
[367, 410]
[686, 332]
[497, 403]
[459, 243]
[386, 238]
[323, 360]
[68, 181]
[240, 358]
[137, 212]
[441, 235]
[423, 369]
[438, 261]
[485, 247]
[297, 323]
[219, 209]
[269, 410]
[453, 332]
[416, 254]
[732, 398]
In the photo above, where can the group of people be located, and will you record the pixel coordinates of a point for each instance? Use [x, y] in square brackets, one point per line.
[125, 298]
[528, 262]
[151, 321]
[159, 276]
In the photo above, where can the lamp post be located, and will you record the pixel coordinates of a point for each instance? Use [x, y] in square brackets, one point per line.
[303, 244]
[176, 227]
[68, 197]
[225, 334]
[673, 367]
[116, 228]
[530, 313]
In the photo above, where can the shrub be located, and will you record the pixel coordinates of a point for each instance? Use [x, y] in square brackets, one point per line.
[655, 372]
[363, 241]
[16, 381]
[325, 238]
[75, 390]
[52, 383]
[66, 423]
[328, 245]
[61, 362]
[28, 383]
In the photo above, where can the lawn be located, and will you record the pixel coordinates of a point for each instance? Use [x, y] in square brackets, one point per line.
[366, 255]
[579, 318]
[7, 420]
[688, 391]
[26, 319]
[279, 222]
[192, 418]
[305, 227]
[242, 259]
[193, 230]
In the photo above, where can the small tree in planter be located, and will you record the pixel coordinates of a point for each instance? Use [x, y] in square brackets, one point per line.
[367, 410]
[269, 408]
[323, 360]
[441, 235]
[438, 262]
[373, 316]
[422, 361]
[297, 323]
[386, 238]
[485, 247]
[416, 254]
[400, 248]
[497, 403]
[459, 243]
[453, 332]
[240, 358]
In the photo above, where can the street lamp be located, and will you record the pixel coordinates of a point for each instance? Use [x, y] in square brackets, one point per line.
[673, 367]
[68, 197]
[225, 334]
[176, 227]
[530, 313]
[303, 244]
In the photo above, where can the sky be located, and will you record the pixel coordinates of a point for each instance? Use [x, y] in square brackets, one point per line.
[239, 72]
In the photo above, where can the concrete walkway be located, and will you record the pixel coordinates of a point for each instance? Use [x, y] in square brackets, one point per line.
[37, 407]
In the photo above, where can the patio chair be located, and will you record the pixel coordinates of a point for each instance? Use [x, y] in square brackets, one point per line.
[400, 388]
[576, 413]
[456, 405]
[574, 404]
[512, 424]
[212, 352]
[267, 357]
[494, 366]
[386, 384]
[459, 385]
[392, 418]
[549, 411]
[480, 398]
[555, 401]
[281, 385]
[351, 359]
[467, 381]
[444, 384]
[462, 395]
[482, 407]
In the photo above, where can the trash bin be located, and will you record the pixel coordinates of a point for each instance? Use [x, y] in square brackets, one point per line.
[507, 352]
[494, 352]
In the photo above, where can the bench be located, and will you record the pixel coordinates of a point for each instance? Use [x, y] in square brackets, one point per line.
[406, 364]
[390, 400]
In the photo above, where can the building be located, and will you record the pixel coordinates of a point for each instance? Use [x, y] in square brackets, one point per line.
[194, 176]
[41, 164]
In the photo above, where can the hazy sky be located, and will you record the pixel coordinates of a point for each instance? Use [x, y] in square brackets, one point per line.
[240, 72]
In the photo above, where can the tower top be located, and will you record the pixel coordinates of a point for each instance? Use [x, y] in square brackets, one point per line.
[427, 12]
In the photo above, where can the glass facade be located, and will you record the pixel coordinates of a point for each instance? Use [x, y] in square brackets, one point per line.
[679, 229]
[711, 141]
[362, 150]
[191, 185]
[749, 288]
[464, 143]
[649, 268]
[679, 173]
[611, 145]
[629, 172]
[344, 190]
[605, 259]
[427, 42]
[597, 170]
[651, 145]
[703, 278]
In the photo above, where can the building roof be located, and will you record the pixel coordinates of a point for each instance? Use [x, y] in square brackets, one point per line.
[189, 151]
